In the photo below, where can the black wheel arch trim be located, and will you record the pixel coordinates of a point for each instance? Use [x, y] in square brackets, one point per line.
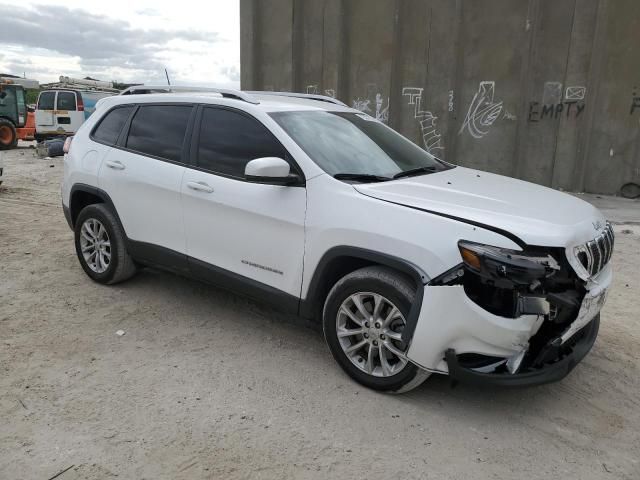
[104, 196]
[309, 305]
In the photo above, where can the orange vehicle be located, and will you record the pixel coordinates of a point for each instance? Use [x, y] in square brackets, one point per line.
[16, 121]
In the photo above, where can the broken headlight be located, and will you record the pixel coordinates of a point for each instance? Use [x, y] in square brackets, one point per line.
[506, 282]
[506, 268]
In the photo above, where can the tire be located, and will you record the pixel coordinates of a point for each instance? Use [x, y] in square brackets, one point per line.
[120, 266]
[8, 135]
[370, 286]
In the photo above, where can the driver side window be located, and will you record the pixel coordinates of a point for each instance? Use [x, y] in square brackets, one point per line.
[228, 140]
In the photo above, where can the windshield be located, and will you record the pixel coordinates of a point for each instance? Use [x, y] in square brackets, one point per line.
[356, 144]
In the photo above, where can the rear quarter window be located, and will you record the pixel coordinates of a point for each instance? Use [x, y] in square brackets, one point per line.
[109, 128]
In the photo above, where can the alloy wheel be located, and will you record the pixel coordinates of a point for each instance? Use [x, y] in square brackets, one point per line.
[95, 245]
[369, 329]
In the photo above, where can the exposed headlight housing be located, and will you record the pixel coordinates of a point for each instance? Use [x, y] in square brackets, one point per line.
[504, 267]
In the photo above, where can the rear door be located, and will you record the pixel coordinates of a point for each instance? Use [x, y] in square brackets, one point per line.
[44, 111]
[68, 117]
[143, 173]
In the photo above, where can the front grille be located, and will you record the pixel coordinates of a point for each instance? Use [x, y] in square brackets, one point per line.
[594, 255]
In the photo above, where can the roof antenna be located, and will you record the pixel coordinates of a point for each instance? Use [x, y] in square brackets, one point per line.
[167, 74]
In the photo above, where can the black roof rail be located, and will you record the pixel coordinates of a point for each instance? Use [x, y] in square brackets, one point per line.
[308, 96]
[225, 92]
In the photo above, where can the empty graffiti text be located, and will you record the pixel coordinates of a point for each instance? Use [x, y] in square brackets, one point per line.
[539, 112]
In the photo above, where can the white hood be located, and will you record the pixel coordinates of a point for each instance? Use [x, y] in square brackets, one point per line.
[535, 214]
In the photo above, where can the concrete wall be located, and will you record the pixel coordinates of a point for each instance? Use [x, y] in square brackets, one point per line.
[544, 90]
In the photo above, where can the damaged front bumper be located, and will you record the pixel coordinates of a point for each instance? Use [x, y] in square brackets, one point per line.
[568, 356]
[457, 336]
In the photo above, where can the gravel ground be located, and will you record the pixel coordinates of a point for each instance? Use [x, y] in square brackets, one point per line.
[205, 384]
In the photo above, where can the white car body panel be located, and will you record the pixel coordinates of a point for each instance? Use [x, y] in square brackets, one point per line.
[538, 215]
[337, 215]
[449, 319]
[138, 185]
[246, 228]
[82, 163]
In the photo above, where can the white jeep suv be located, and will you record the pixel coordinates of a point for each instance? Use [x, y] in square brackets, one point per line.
[413, 265]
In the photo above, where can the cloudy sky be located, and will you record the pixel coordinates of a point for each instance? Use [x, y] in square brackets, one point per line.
[126, 41]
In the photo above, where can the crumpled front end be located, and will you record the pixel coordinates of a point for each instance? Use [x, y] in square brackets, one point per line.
[506, 318]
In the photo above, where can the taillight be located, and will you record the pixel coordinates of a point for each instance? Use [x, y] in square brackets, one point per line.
[80, 103]
[67, 144]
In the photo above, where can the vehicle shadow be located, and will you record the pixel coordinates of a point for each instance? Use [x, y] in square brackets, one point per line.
[257, 320]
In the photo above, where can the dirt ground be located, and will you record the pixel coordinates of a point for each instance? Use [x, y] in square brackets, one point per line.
[205, 384]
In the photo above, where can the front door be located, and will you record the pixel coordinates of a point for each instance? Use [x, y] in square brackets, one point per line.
[241, 233]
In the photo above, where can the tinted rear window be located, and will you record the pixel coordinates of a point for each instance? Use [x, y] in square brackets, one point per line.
[111, 125]
[66, 101]
[46, 100]
[158, 130]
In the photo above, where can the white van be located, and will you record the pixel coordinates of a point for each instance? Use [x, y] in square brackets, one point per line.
[63, 111]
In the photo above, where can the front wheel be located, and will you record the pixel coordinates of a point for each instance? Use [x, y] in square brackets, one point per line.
[363, 319]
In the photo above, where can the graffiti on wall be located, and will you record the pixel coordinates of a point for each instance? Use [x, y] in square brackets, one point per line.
[556, 102]
[635, 100]
[483, 111]
[509, 116]
[431, 138]
[381, 111]
[362, 105]
[552, 93]
[315, 90]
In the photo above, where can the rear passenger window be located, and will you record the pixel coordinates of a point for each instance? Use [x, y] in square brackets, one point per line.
[229, 140]
[46, 100]
[111, 125]
[66, 101]
[158, 130]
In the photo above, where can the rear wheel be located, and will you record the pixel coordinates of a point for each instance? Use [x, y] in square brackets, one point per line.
[101, 245]
[363, 319]
[8, 135]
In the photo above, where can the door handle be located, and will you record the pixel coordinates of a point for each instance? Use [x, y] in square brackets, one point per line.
[115, 164]
[200, 187]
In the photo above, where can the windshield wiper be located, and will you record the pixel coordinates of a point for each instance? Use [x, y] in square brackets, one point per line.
[361, 177]
[415, 171]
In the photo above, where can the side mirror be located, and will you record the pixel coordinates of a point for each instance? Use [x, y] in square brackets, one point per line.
[272, 170]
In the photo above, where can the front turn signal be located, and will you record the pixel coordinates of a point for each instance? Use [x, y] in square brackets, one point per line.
[470, 258]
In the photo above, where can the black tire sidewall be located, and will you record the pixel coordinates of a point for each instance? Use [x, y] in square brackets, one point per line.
[14, 140]
[334, 301]
[97, 212]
